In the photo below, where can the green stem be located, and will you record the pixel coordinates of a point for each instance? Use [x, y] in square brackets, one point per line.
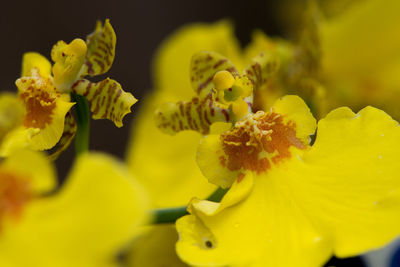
[170, 215]
[83, 122]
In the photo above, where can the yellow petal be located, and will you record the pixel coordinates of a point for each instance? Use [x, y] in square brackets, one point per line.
[172, 61]
[94, 215]
[107, 99]
[101, 49]
[264, 229]
[165, 164]
[155, 248]
[349, 172]
[68, 60]
[35, 60]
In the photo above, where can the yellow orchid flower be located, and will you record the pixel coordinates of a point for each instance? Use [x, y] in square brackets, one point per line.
[290, 203]
[360, 58]
[94, 214]
[46, 98]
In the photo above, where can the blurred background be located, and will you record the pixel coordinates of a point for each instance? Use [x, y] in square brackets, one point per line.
[140, 27]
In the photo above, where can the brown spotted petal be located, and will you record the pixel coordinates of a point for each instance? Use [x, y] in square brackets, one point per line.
[204, 66]
[197, 115]
[262, 68]
[68, 135]
[107, 99]
[101, 50]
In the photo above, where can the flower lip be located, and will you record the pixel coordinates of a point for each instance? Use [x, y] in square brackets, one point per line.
[257, 141]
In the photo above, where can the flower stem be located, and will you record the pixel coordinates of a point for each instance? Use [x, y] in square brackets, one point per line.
[170, 215]
[83, 122]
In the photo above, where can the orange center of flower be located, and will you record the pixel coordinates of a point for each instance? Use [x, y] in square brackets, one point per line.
[259, 140]
[40, 105]
[15, 192]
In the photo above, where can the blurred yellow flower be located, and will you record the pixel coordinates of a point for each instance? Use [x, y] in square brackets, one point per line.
[94, 214]
[360, 49]
[290, 203]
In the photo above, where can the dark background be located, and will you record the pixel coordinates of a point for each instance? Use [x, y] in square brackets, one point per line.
[140, 27]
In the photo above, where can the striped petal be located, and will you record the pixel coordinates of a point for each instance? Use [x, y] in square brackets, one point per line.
[107, 99]
[101, 49]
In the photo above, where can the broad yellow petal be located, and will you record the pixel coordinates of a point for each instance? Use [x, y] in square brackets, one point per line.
[35, 60]
[155, 248]
[94, 215]
[264, 229]
[347, 181]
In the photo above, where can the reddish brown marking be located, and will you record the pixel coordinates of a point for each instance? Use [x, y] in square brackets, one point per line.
[206, 117]
[204, 85]
[222, 161]
[39, 106]
[240, 177]
[242, 145]
[15, 192]
[181, 108]
[219, 63]
[225, 112]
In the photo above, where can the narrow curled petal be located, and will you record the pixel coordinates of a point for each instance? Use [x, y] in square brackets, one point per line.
[32, 60]
[107, 99]
[101, 49]
[68, 135]
[197, 115]
[204, 66]
[100, 206]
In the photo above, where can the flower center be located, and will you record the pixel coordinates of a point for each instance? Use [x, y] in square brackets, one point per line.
[40, 105]
[15, 192]
[259, 140]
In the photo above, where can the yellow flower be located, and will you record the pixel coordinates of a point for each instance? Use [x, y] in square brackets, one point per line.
[94, 214]
[290, 203]
[46, 98]
[360, 55]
